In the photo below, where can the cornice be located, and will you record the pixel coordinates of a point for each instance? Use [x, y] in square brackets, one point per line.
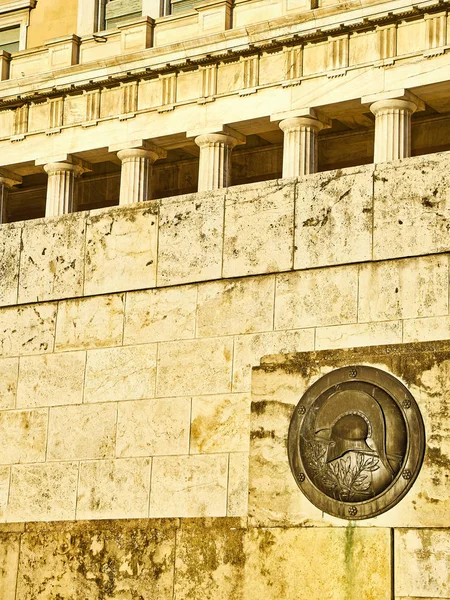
[13, 5]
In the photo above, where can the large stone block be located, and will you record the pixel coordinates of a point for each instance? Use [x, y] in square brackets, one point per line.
[422, 558]
[151, 427]
[314, 298]
[426, 329]
[45, 492]
[121, 248]
[51, 379]
[191, 238]
[123, 373]
[267, 248]
[359, 334]
[411, 207]
[189, 486]
[223, 306]
[82, 432]
[220, 424]
[27, 329]
[9, 562]
[9, 373]
[5, 478]
[160, 315]
[10, 238]
[195, 367]
[23, 436]
[238, 485]
[403, 289]
[90, 322]
[119, 560]
[114, 489]
[333, 218]
[52, 259]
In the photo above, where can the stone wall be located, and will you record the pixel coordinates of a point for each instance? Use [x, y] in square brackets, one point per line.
[128, 341]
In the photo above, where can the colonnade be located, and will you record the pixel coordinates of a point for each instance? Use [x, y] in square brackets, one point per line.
[300, 157]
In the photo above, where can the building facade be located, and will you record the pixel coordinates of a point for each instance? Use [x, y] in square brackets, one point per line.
[207, 209]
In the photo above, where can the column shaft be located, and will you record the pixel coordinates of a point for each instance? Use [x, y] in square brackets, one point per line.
[4, 194]
[300, 150]
[392, 129]
[215, 160]
[60, 188]
[135, 178]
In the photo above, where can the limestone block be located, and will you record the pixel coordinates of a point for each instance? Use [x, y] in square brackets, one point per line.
[359, 334]
[160, 315]
[426, 329]
[81, 432]
[52, 258]
[419, 219]
[5, 476]
[404, 289]
[267, 248]
[189, 486]
[114, 489]
[220, 423]
[152, 427]
[23, 436]
[195, 367]
[238, 485]
[10, 236]
[51, 379]
[9, 372]
[27, 329]
[333, 218]
[422, 558]
[121, 248]
[314, 298]
[45, 492]
[90, 322]
[123, 373]
[191, 238]
[9, 561]
[99, 561]
[249, 349]
[223, 306]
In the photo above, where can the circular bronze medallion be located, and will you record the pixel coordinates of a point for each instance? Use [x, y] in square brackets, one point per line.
[356, 442]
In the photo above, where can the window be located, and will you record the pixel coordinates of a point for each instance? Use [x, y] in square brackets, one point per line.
[121, 11]
[10, 39]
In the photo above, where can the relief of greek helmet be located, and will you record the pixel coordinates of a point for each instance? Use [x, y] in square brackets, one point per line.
[346, 419]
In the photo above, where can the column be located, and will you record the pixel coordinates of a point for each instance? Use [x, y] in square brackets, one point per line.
[60, 186]
[7, 181]
[135, 177]
[392, 129]
[215, 160]
[300, 149]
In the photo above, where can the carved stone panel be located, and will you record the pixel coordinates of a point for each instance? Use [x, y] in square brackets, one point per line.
[356, 442]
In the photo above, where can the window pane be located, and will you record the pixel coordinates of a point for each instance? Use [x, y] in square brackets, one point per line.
[9, 39]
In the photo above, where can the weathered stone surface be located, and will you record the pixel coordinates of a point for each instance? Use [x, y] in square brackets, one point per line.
[152, 427]
[160, 315]
[268, 247]
[191, 238]
[10, 237]
[238, 485]
[123, 373]
[411, 207]
[405, 289]
[51, 379]
[333, 218]
[116, 489]
[90, 322]
[359, 334]
[189, 486]
[52, 259]
[100, 561]
[195, 367]
[248, 350]
[9, 373]
[45, 492]
[121, 248]
[81, 432]
[23, 436]
[422, 558]
[5, 477]
[314, 298]
[223, 306]
[27, 329]
[426, 329]
[220, 423]
[9, 561]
